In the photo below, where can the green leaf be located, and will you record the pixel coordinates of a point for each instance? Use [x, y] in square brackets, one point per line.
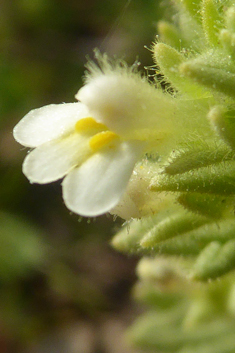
[147, 294]
[211, 21]
[227, 39]
[229, 17]
[156, 332]
[171, 227]
[213, 206]
[223, 121]
[214, 261]
[217, 179]
[193, 7]
[216, 78]
[128, 238]
[169, 59]
[195, 155]
[192, 242]
[153, 330]
[170, 34]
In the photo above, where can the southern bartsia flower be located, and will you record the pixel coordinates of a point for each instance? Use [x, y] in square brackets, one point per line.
[95, 143]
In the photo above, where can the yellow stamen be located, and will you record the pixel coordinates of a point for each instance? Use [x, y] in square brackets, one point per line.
[103, 139]
[87, 124]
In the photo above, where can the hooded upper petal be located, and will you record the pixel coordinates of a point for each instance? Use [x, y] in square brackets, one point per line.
[47, 123]
[53, 160]
[98, 184]
[128, 105]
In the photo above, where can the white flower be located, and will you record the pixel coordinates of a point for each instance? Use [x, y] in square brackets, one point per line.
[95, 143]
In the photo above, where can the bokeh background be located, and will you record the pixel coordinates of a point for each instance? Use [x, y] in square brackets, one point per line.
[62, 287]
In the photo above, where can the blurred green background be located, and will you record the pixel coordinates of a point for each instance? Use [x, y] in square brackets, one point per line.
[62, 287]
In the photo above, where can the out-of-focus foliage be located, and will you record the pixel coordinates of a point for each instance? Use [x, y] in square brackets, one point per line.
[182, 316]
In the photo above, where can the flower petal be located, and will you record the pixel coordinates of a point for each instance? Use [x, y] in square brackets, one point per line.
[47, 123]
[52, 160]
[97, 186]
[129, 106]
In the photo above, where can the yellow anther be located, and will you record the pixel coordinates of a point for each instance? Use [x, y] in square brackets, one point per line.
[103, 139]
[87, 124]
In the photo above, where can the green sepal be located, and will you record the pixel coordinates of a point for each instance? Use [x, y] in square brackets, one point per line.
[170, 35]
[196, 155]
[193, 7]
[227, 39]
[213, 206]
[216, 179]
[211, 21]
[181, 245]
[128, 239]
[169, 60]
[213, 58]
[214, 261]
[217, 75]
[223, 121]
[194, 241]
[172, 226]
[229, 18]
